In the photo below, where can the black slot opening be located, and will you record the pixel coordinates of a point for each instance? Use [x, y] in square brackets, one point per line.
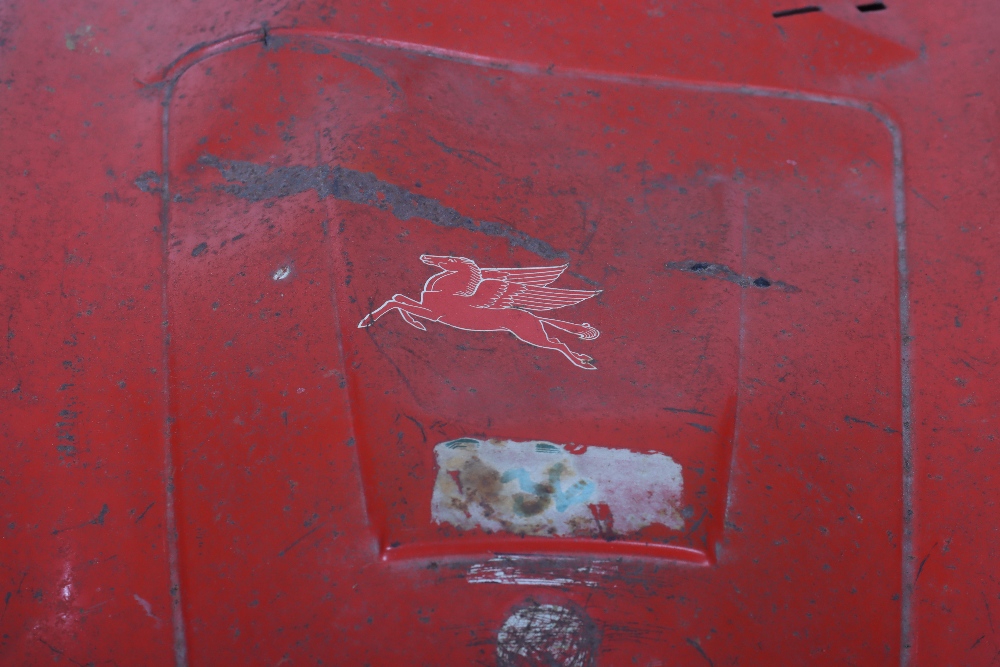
[795, 12]
[872, 7]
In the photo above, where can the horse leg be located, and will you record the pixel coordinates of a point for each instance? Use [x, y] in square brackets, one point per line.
[533, 332]
[402, 298]
[584, 331]
[395, 302]
[412, 321]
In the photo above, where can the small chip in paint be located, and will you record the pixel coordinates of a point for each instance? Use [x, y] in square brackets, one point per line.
[282, 273]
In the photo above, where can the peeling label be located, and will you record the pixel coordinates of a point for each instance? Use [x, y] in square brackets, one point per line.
[539, 488]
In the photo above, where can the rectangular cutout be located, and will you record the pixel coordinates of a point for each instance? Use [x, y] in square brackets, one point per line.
[795, 12]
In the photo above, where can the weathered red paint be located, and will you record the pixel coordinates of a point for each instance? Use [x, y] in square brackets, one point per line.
[788, 219]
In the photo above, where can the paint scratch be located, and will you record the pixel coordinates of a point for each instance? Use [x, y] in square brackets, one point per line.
[148, 608]
[547, 634]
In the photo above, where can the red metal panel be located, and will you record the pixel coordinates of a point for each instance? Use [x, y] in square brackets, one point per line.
[207, 453]
[711, 233]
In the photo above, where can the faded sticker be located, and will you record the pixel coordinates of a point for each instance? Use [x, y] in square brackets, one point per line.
[540, 488]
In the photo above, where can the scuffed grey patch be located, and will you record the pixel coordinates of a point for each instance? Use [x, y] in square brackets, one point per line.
[547, 634]
[723, 272]
[258, 182]
[271, 41]
[149, 181]
[355, 59]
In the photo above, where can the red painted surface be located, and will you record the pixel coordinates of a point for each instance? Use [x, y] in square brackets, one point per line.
[207, 462]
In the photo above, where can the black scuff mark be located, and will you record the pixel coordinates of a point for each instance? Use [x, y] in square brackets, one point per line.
[259, 182]
[465, 155]
[11, 334]
[271, 41]
[697, 524]
[301, 538]
[989, 614]
[360, 61]
[387, 357]
[423, 433]
[61, 653]
[592, 283]
[854, 420]
[143, 514]
[99, 519]
[700, 427]
[150, 182]
[10, 594]
[723, 272]
[697, 647]
[96, 521]
[924, 562]
[689, 412]
[65, 431]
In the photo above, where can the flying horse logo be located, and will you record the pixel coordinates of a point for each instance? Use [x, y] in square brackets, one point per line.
[466, 297]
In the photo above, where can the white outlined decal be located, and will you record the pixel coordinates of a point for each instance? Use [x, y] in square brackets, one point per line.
[466, 297]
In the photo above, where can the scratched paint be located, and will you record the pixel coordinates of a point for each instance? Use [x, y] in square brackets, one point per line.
[530, 570]
[540, 488]
[548, 634]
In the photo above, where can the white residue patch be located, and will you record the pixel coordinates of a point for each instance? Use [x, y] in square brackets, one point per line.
[148, 608]
[282, 273]
[540, 488]
[534, 571]
[485, 574]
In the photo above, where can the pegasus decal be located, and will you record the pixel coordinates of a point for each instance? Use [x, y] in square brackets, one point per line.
[464, 296]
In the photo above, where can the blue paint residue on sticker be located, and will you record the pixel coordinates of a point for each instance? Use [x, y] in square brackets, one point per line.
[578, 492]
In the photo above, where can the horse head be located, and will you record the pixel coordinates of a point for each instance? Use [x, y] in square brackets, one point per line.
[466, 273]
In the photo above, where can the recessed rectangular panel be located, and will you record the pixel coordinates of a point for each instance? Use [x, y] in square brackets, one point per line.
[523, 297]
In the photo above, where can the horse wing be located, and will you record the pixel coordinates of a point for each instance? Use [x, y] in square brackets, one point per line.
[530, 297]
[491, 293]
[534, 275]
[498, 295]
